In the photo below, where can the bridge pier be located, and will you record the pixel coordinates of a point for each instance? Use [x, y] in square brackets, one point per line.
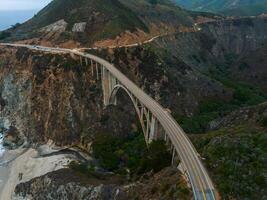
[97, 71]
[202, 186]
[153, 129]
[81, 60]
[92, 67]
[108, 84]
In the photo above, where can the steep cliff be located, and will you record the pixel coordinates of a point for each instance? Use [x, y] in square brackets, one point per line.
[53, 97]
[65, 184]
[235, 153]
[200, 76]
[218, 42]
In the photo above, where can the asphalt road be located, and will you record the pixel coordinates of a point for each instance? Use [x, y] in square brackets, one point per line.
[200, 181]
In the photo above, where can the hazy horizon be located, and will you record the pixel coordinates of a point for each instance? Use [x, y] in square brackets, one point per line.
[18, 11]
[12, 5]
[11, 17]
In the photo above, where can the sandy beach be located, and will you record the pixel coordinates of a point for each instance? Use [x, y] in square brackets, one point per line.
[27, 165]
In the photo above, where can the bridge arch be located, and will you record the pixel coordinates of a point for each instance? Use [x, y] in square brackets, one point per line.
[148, 122]
[202, 186]
[151, 114]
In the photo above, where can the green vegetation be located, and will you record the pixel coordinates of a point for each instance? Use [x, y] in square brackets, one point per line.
[264, 121]
[236, 158]
[130, 154]
[4, 35]
[244, 94]
[154, 2]
[126, 155]
[210, 109]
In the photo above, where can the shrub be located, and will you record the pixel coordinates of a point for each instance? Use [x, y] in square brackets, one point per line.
[156, 158]
[4, 35]
[80, 167]
[153, 2]
[130, 153]
[264, 121]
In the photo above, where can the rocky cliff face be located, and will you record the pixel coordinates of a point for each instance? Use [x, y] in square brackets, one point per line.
[252, 68]
[176, 85]
[49, 96]
[237, 36]
[235, 152]
[54, 97]
[65, 184]
[218, 42]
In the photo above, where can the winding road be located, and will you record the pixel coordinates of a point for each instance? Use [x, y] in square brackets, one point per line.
[202, 186]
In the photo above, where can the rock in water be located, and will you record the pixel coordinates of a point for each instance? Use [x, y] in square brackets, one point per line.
[12, 138]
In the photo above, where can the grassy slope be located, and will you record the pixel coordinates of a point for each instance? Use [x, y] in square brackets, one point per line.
[164, 11]
[244, 8]
[105, 18]
[236, 158]
[120, 17]
[112, 18]
[244, 94]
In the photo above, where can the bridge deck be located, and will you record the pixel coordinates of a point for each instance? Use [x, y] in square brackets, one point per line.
[201, 183]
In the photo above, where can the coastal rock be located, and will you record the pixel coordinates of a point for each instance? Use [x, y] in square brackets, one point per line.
[12, 138]
[58, 26]
[79, 27]
[66, 184]
[54, 97]
[63, 185]
[251, 114]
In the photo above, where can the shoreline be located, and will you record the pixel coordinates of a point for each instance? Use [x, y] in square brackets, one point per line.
[26, 164]
[4, 174]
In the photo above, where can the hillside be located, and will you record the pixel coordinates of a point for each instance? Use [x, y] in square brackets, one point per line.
[227, 7]
[88, 22]
[208, 71]
[235, 152]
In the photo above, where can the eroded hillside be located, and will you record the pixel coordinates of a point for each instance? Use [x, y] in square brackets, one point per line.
[211, 77]
[100, 23]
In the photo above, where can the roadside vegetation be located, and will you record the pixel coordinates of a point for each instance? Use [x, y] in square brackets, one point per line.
[236, 153]
[128, 155]
[236, 159]
[4, 35]
[244, 95]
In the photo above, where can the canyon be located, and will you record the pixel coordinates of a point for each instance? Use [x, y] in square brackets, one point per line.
[211, 76]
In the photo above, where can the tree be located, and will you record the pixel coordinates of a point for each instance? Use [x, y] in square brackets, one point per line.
[153, 2]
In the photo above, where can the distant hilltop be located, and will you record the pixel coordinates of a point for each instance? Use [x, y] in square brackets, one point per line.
[227, 7]
[102, 22]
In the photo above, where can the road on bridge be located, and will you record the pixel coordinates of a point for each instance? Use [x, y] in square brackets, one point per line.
[202, 186]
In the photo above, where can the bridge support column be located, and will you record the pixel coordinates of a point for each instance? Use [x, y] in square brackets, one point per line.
[153, 129]
[173, 156]
[97, 71]
[92, 67]
[81, 60]
[108, 83]
[112, 84]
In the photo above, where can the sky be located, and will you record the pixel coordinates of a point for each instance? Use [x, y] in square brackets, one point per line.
[18, 11]
[6, 5]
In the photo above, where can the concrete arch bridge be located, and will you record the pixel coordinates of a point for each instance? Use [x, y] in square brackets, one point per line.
[154, 119]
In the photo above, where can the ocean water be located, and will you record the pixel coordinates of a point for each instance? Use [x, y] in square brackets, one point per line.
[11, 17]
